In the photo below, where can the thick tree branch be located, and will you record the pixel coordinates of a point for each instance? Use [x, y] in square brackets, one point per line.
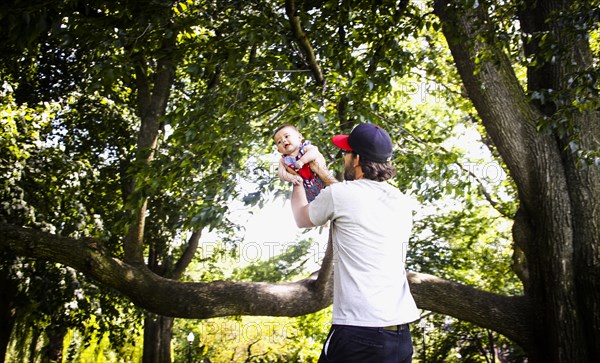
[324, 281]
[301, 37]
[164, 296]
[198, 300]
[509, 316]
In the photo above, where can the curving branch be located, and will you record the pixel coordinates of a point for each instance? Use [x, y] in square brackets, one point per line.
[508, 315]
[300, 35]
[199, 300]
[187, 256]
[161, 295]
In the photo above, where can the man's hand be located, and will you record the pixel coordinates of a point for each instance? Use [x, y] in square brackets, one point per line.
[318, 165]
[311, 153]
[285, 175]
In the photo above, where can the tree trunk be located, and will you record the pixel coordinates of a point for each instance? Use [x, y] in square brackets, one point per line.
[152, 96]
[157, 338]
[573, 60]
[158, 330]
[8, 289]
[53, 351]
[558, 215]
[35, 336]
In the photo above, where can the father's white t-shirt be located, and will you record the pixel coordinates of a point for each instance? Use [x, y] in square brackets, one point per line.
[371, 225]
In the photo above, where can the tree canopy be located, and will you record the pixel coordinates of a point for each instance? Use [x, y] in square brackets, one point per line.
[127, 127]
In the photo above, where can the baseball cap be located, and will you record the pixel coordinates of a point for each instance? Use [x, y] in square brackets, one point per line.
[367, 140]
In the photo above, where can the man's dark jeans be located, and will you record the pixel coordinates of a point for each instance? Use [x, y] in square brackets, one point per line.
[350, 344]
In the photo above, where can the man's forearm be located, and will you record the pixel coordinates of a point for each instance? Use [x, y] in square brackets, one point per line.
[300, 207]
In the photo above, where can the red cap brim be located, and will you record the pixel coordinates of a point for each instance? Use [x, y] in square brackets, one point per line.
[341, 141]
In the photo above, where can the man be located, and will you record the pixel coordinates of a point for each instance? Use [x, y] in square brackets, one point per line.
[371, 222]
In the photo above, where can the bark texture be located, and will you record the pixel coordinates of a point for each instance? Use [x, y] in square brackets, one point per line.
[200, 300]
[8, 287]
[558, 216]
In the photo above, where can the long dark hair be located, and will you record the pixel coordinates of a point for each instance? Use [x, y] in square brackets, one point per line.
[376, 171]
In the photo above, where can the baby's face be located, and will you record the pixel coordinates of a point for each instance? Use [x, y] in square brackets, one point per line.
[287, 140]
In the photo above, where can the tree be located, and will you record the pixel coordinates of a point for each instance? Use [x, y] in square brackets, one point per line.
[182, 61]
[41, 300]
[556, 224]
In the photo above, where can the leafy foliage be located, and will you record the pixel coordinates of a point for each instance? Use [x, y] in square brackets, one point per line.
[72, 73]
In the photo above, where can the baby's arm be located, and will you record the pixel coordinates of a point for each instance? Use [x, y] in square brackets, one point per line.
[317, 164]
[311, 153]
[285, 175]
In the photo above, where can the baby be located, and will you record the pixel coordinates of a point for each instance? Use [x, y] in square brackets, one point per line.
[301, 162]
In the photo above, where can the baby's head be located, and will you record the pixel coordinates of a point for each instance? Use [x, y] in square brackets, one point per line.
[287, 139]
